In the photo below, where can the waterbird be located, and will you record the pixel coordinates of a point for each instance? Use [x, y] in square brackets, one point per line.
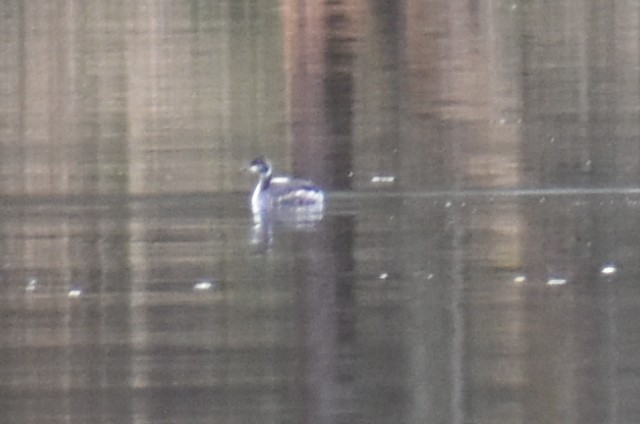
[283, 193]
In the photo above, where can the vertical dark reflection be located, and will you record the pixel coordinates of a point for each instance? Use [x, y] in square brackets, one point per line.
[339, 89]
[319, 38]
[425, 153]
[326, 319]
[391, 23]
[380, 69]
[304, 40]
[105, 102]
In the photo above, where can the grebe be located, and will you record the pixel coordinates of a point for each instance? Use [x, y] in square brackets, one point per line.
[283, 193]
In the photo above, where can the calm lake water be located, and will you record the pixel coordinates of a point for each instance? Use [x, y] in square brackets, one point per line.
[477, 262]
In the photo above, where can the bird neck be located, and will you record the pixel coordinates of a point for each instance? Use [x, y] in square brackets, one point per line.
[263, 185]
[265, 181]
[257, 200]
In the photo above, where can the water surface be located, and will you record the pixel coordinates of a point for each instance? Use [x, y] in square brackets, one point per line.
[446, 309]
[477, 262]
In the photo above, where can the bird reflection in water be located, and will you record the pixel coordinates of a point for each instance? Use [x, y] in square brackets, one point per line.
[282, 200]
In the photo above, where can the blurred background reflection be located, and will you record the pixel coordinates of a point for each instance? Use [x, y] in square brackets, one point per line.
[477, 262]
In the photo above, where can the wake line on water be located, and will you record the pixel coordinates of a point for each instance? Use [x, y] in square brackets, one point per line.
[519, 192]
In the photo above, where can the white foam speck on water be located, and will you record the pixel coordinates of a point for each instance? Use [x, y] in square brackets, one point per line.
[204, 284]
[383, 179]
[32, 284]
[556, 281]
[74, 293]
[608, 270]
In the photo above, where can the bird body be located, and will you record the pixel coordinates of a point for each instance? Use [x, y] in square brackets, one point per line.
[283, 192]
